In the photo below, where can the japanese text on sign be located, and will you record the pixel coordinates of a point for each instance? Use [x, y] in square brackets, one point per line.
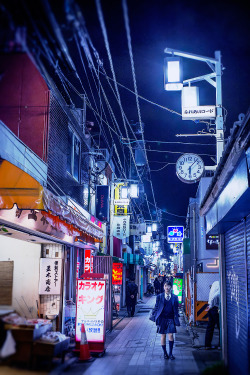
[175, 234]
[117, 274]
[88, 261]
[50, 276]
[90, 309]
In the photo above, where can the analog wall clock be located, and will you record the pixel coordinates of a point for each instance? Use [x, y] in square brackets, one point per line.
[189, 168]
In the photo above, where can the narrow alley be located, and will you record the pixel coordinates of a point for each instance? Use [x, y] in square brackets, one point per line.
[133, 347]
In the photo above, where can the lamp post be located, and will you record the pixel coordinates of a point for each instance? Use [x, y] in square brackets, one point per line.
[216, 67]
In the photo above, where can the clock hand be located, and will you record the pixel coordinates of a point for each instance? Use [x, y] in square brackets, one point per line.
[193, 164]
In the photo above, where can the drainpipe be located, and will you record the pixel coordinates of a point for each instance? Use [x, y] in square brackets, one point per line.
[195, 263]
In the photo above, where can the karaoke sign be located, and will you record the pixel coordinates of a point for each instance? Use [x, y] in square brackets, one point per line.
[175, 234]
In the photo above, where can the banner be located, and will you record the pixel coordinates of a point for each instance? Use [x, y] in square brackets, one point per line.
[102, 202]
[120, 226]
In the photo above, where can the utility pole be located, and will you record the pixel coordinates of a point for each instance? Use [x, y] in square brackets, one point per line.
[216, 67]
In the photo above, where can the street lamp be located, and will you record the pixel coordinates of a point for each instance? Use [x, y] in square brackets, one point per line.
[172, 73]
[202, 112]
[154, 227]
[134, 191]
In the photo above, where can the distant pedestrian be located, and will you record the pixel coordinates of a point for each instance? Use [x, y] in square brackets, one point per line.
[165, 315]
[161, 281]
[157, 286]
[131, 296]
[213, 313]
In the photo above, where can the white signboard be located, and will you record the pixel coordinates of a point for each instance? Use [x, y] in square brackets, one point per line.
[199, 112]
[137, 229]
[120, 226]
[121, 202]
[147, 246]
[90, 309]
[50, 276]
[146, 237]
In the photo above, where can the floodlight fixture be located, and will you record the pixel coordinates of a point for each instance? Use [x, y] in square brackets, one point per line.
[124, 192]
[149, 229]
[134, 191]
[154, 227]
[173, 73]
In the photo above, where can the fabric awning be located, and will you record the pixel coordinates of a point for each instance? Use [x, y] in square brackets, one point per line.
[18, 187]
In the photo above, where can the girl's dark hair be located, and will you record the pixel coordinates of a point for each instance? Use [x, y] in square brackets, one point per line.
[168, 283]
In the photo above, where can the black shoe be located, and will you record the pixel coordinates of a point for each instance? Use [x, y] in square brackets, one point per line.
[166, 356]
[172, 357]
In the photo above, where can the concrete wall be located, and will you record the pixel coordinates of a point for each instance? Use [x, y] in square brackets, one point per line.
[26, 257]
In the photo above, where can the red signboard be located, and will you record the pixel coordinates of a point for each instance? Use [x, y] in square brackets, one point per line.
[117, 274]
[88, 261]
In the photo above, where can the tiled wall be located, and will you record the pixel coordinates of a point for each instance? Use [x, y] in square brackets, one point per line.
[51, 304]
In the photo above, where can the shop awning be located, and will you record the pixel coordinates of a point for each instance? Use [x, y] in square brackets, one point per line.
[18, 187]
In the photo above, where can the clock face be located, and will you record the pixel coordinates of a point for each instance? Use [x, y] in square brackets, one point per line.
[189, 168]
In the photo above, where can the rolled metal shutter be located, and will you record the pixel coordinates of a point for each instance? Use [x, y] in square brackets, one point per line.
[236, 292]
[248, 277]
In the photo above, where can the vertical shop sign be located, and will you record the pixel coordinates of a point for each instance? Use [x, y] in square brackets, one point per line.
[50, 276]
[88, 261]
[120, 209]
[177, 288]
[102, 202]
[90, 309]
[117, 274]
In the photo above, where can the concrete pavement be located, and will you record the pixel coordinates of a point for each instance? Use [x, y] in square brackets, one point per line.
[133, 347]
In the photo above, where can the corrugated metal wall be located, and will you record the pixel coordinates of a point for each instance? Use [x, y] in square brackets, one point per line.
[236, 293]
[248, 283]
[103, 264]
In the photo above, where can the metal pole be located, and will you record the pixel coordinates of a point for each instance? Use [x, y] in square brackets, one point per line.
[111, 219]
[195, 263]
[219, 114]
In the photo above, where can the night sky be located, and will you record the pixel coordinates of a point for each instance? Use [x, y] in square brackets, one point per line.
[192, 26]
[195, 27]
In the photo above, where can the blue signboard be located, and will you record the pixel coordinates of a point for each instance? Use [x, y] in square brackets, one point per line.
[175, 234]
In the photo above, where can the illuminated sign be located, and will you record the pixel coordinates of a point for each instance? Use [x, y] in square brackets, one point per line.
[119, 209]
[90, 309]
[102, 202]
[88, 261]
[199, 112]
[177, 288]
[175, 234]
[212, 242]
[117, 274]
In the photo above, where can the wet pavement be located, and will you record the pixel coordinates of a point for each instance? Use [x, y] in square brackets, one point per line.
[133, 347]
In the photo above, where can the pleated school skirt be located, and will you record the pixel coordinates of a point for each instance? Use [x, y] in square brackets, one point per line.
[166, 326]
